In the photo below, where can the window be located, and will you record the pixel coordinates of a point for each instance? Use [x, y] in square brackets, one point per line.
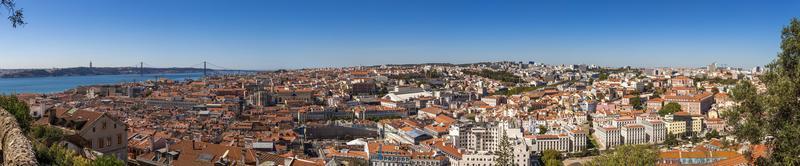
[105, 125]
[94, 129]
[101, 143]
[115, 125]
[119, 139]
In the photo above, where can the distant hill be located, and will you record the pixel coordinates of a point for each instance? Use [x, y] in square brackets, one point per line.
[85, 71]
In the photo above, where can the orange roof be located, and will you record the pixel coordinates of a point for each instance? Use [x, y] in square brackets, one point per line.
[737, 160]
[444, 119]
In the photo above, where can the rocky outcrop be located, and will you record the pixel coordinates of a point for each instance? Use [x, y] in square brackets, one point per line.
[16, 148]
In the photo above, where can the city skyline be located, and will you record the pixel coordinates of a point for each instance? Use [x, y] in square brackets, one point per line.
[267, 35]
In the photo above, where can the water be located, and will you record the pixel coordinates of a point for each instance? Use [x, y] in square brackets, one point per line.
[59, 84]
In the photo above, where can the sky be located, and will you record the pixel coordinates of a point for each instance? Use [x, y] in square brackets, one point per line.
[267, 34]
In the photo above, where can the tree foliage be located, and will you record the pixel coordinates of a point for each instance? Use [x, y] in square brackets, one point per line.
[496, 75]
[46, 134]
[637, 103]
[504, 155]
[57, 155]
[627, 155]
[671, 140]
[542, 129]
[776, 111]
[712, 134]
[670, 108]
[14, 14]
[551, 158]
[19, 109]
[107, 160]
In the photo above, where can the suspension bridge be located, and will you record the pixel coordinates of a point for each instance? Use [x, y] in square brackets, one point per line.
[208, 68]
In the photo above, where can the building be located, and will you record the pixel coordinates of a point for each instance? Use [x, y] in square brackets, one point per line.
[383, 154]
[695, 103]
[656, 130]
[477, 141]
[675, 127]
[101, 132]
[190, 152]
[633, 134]
[608, 137]
[681, 81]
[545, 142]
[694, 123]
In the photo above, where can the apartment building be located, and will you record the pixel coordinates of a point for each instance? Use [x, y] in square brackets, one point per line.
[608, 137]
[656, 130]
[633, 134]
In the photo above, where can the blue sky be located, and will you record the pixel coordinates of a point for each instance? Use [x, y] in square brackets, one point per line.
[262, 34]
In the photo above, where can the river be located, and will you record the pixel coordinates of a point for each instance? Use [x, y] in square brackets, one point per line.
[59, 84]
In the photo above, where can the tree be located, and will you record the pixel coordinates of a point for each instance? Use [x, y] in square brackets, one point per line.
[107, 160]
[712, 134]
[627, 155]
[503, 155]
[671, 140]
[46, 134]
[636, 102]
[542, 129]
[14, 14]
[774, 112]
[19, 109]
[670, 108]
[551, 158]
[58, 155]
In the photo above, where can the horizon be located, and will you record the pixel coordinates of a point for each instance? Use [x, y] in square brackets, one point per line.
[272, 35]
[374, 65]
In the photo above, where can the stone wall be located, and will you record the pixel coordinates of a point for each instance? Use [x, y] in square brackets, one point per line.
[16, 148]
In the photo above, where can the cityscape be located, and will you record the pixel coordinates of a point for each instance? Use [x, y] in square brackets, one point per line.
[368, 110]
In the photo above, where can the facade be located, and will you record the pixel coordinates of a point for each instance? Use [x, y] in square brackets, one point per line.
[675, 127]
[607, 137]
[189, 152]
[102, 133]
[479, 141]
[633, 134]
[382, 154]
[656, 130]
[696, 104]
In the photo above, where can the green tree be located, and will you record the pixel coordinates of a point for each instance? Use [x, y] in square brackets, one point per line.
[712, 134]
[107, 160]
[57, 155]
[636, 102]
[19, 109]
[670, 108]
[46, 134]
[776, 111]
[671, 140]
[542, 129]
[627, 155]
[603, 76]
[503, 155]
[551, 158]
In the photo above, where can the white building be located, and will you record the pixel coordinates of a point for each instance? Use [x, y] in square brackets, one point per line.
[656, 130]
[608, 137]
[479, 142]
[633, 134]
